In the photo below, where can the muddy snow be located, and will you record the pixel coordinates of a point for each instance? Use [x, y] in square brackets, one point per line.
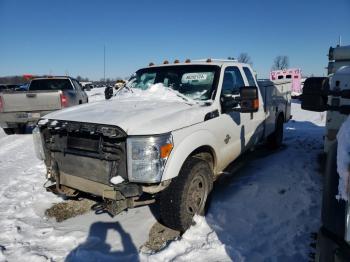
[263, 211]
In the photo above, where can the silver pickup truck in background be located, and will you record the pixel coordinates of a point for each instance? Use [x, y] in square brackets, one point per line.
[44, 95]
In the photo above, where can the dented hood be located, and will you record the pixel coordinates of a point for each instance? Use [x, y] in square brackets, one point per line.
[136, 116]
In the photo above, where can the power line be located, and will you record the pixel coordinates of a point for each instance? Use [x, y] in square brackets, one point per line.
[104, 63]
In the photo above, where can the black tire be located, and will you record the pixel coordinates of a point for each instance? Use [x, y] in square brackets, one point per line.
[186, 195]
[274, 141]
[9, 131]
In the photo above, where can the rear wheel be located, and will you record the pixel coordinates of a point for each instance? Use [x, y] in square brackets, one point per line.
[275, 140]
[186, 195]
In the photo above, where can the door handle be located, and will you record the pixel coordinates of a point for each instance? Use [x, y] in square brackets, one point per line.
[31, 95]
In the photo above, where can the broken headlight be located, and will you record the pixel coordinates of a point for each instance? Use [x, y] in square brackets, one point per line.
[147, 157]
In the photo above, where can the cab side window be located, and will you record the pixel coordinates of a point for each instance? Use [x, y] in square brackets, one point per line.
[249, 76]
[232, 81]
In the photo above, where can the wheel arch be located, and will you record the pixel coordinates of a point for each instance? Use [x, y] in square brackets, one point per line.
[200, 144]
[206, 153]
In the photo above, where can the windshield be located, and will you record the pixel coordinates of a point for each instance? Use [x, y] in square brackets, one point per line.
[196, 82]
[50, 84]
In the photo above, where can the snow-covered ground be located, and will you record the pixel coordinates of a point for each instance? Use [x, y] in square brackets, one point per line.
[265, 211]
[96, 94]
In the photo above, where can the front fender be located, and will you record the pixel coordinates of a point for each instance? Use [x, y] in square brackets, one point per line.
[184, 145]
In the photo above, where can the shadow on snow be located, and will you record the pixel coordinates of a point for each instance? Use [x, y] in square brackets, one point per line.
[95, 247]
[268, 202]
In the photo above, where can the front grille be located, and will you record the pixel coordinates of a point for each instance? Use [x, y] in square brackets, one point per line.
[79, 143]
[91, 151]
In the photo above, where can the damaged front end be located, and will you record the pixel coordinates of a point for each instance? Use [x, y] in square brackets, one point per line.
[84, 157]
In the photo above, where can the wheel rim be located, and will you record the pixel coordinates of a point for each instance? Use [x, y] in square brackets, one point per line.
[196, 196]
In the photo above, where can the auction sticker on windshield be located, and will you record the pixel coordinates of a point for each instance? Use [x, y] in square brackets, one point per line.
[194, 76]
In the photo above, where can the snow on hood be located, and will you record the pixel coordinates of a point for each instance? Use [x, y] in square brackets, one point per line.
[139, 112]
[156, 91]
[343, 160]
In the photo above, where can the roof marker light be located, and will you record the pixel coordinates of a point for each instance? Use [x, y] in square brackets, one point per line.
[208, 60]
[176, 61]
[188, 60]
[151, 64]
[166, 62]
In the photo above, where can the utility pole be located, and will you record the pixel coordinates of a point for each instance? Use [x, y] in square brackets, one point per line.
[104, 63]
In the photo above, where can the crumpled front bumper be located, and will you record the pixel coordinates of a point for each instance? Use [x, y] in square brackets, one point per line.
[117, 192]
[115, 199]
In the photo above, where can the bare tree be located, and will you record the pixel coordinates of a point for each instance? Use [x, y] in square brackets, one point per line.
[244, 58]
[82, 79]
[281, 62]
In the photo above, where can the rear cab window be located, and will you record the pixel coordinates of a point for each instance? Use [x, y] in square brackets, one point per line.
[249, 75]
[50, 84]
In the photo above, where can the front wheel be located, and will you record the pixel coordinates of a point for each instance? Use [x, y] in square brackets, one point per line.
[187, 194]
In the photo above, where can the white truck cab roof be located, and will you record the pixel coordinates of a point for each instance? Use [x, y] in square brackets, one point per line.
[217, 62]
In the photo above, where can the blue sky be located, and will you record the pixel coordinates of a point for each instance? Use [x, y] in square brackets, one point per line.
[63, 36]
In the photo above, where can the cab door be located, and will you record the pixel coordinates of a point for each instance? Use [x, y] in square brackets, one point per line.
[230, 126]
[254, 125]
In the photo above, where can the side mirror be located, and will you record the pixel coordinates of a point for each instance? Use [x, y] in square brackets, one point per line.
[315, 94]
[249, 97]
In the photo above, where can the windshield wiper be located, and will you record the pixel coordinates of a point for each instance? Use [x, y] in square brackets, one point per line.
[124, 87]
[127, 87]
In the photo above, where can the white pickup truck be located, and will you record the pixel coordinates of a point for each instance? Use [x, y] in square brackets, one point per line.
[45, 94]
[164, 137]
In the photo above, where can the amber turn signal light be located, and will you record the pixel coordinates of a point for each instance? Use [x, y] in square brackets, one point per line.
[256, 104]
[165, 150]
